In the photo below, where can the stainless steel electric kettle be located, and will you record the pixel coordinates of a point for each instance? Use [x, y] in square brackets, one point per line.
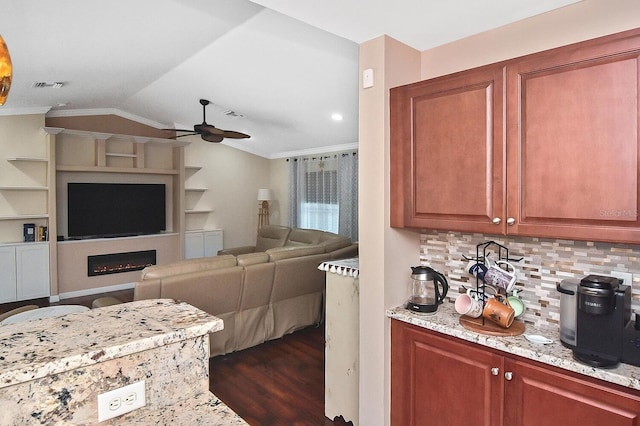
[428, 289]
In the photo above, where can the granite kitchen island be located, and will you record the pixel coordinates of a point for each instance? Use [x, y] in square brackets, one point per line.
[52, 370]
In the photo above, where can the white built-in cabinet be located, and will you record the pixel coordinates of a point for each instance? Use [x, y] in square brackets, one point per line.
[202, 243]
[25, 271]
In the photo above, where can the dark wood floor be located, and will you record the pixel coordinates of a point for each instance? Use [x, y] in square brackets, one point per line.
[280, 382]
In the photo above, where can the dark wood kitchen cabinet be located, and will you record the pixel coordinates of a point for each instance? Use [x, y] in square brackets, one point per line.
[545, 145]
[447, 161]
[441, 380]
[572, 150]
[535, 395]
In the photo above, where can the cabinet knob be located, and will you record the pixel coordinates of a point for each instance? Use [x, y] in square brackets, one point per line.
[495, 371]
[508, 375]
[511, 221]
[496, 221]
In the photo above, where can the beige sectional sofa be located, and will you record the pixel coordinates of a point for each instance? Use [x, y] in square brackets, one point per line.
[261, 292]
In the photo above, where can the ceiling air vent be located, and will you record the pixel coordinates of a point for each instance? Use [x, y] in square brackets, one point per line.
[233, 114]
[54, 85]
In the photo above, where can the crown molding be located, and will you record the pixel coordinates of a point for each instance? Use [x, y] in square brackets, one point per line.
[105, 111]
[315, 151]
[24, 111]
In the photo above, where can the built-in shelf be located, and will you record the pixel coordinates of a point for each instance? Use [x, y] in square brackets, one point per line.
[196, 189]
[31, 159]
[119, 154]
[102, 169]
[24, 188]
[194, 168]
[25, 216]
[198, 211]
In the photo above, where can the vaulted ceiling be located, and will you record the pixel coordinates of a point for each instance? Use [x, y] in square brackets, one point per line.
[275, 69]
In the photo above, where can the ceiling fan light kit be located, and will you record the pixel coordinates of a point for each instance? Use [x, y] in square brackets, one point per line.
[5, 71]
[209, 132]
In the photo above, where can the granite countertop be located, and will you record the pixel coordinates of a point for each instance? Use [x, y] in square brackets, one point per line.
[34, 349]
[446, 321]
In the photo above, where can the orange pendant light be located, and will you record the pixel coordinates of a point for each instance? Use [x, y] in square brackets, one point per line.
[5, 71]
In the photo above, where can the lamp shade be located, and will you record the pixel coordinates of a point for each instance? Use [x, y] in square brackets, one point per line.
[265, 195]
[5, 71]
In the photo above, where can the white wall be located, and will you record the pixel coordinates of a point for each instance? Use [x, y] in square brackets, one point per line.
[386, 253]
[233, 178]
[279, 183]
[578, 22]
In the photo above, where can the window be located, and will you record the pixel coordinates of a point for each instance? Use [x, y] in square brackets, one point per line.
[324, 193]
[319, 209]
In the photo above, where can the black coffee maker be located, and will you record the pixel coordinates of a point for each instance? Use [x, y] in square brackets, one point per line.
[604, 310]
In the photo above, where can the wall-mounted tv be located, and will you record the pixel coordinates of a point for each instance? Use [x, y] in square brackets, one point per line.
[115, 209]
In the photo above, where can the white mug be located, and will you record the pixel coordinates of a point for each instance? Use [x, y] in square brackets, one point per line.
[467, 305]
[498, 277]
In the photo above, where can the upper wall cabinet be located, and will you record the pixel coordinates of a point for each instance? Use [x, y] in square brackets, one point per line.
[560, 161]
[572, 132]
[447, 152]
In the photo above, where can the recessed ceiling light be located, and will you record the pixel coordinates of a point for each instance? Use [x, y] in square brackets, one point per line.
[336, 117]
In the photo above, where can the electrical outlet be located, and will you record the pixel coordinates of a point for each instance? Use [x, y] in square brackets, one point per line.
[627, 277]
[122, 400]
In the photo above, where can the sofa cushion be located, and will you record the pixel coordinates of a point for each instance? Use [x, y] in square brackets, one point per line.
[187, 266]
[332, 242]
[291, 252]
[303, 237]
[252, 259]
[271, 236]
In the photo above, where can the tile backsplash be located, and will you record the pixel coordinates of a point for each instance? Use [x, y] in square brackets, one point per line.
[545, 262]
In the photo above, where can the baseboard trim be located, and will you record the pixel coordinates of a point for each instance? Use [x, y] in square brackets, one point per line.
[96, 290]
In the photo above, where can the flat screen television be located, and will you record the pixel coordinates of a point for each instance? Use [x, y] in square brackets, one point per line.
[115, 209]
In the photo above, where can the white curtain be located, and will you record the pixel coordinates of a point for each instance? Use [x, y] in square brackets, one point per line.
[324, 193]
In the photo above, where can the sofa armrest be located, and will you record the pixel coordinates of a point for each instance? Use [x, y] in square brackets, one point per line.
[237, 250]
[147, 289]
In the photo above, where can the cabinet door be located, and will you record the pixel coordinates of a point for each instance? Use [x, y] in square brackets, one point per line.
[573, 169]
[539, 395]
[447, 152]
[194, 245]
[212, 243]
[438, 381]
[8, 275]
[32, 264]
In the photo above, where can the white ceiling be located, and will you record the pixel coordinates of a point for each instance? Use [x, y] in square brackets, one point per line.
[286, 65]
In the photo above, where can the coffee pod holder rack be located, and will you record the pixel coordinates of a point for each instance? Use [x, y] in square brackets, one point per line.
[481, 257]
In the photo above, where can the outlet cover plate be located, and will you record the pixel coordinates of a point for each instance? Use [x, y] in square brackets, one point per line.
[121, 400]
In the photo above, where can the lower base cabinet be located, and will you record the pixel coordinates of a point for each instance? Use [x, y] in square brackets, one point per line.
[25, 271]
[441, 380]
[202, 243]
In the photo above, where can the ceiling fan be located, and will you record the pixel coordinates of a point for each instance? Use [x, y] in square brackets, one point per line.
[208, 132]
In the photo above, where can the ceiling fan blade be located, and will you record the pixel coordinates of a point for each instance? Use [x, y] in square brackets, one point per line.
[178, 130]
[234, 135]
[207, 128]
[182, 136]
[210, 137]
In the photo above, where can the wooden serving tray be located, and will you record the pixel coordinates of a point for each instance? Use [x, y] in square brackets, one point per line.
[491, 328]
